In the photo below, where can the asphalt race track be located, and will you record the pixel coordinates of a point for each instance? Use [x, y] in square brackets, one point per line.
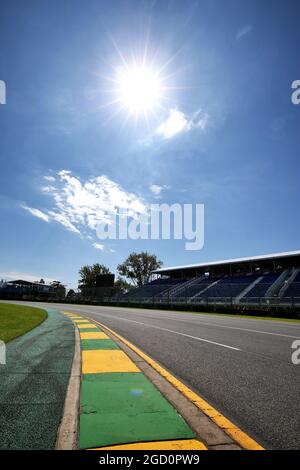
[241, 366]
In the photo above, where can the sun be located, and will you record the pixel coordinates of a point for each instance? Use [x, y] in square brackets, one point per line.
[138, 83]
[139, 89]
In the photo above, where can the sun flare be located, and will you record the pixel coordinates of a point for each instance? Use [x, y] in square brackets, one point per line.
[139, 89]
[140, 85]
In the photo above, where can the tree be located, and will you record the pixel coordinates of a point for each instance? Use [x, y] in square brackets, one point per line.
[121, 286]
[57, 289]
[88, 274]
[71, 293]
[138, 267]
[56, 284]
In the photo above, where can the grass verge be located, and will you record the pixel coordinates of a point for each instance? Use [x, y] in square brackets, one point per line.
[16, 320]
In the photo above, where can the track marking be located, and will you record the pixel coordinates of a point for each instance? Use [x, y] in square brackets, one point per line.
[181, 334]
[99, 361]
[125, 417]
[240, 328]
[82, 326]
[209, 324]
[93, 335]
[225, 424]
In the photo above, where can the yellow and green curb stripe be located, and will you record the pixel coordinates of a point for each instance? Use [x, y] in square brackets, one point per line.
[119, 407]
[237, 435]
[185, 444]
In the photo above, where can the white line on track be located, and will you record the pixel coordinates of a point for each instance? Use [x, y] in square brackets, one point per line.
[201, 322]
[238, 328]
[209, 324]
[176, 332]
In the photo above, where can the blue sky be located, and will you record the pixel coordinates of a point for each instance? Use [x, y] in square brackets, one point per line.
[226, 135]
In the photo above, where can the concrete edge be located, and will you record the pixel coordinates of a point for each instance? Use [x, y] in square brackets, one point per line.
[67, 436]
[214, 436]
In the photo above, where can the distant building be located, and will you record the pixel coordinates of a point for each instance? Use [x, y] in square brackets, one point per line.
[21, 289]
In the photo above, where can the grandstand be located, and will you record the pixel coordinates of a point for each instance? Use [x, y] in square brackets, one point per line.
[267, 280]
[21, 289]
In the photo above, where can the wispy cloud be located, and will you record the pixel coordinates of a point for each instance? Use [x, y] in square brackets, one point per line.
[64, 220]
[36, 212]
[243, 31]
[49, 178]
[178, 122]
[80, 206]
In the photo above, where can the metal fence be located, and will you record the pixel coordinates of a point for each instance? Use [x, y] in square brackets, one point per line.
[264, 301]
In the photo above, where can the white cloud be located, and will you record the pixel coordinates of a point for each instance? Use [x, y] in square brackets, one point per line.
[47, 189]
[98, 246]
[174, 124]
[49, 178]
[243, 31]
[63, 220]
[36, 212]
[178, 122]
[156, 189]
[79, 206]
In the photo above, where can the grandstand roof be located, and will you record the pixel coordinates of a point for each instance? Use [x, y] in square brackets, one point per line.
[208, 264]
[22, 282]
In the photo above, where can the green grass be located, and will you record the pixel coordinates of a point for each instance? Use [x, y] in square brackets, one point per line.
[16, 320]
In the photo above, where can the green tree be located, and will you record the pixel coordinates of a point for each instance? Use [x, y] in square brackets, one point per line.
[137, 267]
[88, 274]
[57, 289]
[121, 286]
[71, 293]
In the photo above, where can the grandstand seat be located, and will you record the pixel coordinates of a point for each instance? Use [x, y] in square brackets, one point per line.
[152, 289]
[260, 289]
[228, 287]
[293, 291]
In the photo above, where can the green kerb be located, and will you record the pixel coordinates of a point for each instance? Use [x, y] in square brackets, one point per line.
[121, 408]
[92, 344]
